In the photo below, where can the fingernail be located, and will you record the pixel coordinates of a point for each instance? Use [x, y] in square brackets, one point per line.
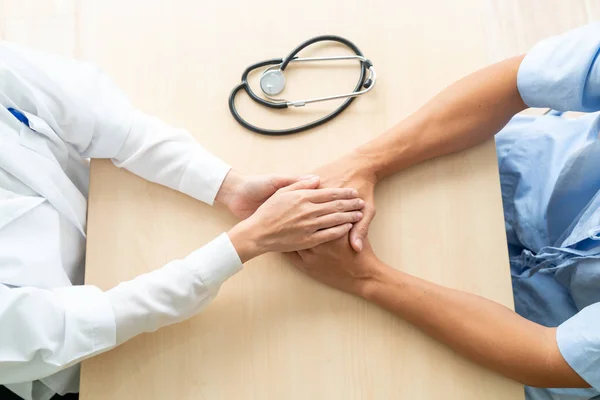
[359, 244]
[361, 202]
[313, 179]
[303, 177]
[349, 226]
[359, 215]
[354, 192]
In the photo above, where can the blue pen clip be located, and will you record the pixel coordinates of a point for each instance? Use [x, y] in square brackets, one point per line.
[19, 115]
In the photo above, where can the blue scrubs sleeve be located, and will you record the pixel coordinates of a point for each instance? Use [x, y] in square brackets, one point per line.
[578, 339]
[562, 72]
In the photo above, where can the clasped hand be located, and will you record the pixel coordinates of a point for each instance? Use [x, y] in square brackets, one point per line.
[320, 220]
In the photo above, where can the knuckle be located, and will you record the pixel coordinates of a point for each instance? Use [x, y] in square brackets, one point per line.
[309, 210]
[339, 205]
[330, 235]
[302, 225]
[308, 226]
[299, 198]
[334, 195]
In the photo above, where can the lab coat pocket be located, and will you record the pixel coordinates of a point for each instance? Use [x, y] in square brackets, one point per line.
[33, 141]
[40, 137]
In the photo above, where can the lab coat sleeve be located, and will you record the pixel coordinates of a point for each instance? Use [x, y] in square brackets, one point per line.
[563, 72]
[578, 339]
[87, 110]
[44, 331]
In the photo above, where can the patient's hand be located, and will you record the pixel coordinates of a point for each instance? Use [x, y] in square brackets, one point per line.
[297, 217]
[353, 171]
[337, 265]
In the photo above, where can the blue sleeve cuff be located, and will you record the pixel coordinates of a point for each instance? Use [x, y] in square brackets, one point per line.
[561, 72]
[578, 339]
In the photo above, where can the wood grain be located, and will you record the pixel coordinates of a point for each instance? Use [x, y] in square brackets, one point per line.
[272, 333]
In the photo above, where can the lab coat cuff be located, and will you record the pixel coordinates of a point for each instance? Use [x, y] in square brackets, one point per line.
[578, 340]
[215, 262]
[91, 326]
[203, 176]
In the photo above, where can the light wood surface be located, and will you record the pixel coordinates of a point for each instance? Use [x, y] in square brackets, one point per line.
[272, 333]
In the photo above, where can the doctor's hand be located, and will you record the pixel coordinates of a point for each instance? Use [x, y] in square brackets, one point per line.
[354, 171]
[296, 217]
[337, 265]
[243, 194]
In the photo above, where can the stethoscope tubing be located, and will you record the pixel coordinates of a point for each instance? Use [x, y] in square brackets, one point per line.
[365, 65]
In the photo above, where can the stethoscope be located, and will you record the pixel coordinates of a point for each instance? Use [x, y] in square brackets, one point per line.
[272, 83]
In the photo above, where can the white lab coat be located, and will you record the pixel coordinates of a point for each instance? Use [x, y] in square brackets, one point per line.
[50, 321]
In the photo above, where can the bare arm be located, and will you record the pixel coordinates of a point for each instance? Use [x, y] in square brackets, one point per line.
[562, 73]
[466, 113]
[479, 329]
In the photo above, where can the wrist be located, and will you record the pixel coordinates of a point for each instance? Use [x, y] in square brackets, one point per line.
[246, 240]
[233, 180]
[381, 275]
[398, 148]
[364, 164]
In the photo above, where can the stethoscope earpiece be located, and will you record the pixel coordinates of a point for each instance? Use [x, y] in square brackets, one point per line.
[272, 83]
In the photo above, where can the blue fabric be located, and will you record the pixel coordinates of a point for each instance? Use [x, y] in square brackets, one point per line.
[550, 178]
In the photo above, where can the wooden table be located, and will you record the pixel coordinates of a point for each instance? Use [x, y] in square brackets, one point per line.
[272, 333]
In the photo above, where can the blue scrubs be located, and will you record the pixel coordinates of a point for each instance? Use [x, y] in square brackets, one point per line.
[550, 177]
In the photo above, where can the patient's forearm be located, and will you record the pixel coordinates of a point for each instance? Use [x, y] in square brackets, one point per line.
[479, 329]
[465, 114]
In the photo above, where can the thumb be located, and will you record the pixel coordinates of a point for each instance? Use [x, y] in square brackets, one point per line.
[294, 257]
[297, 261]
[310, 183]
[360, 230]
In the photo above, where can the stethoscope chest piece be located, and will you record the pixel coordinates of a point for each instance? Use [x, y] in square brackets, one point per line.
[272, 82]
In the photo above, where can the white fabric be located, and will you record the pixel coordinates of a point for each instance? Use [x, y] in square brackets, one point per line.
[75, 113]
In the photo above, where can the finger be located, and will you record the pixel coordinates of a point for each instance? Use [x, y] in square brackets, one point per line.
[327, 235]
[310, 183]
[338, 206]
[279, 181]
[325, 195]
[361, 229]
[335, 219]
